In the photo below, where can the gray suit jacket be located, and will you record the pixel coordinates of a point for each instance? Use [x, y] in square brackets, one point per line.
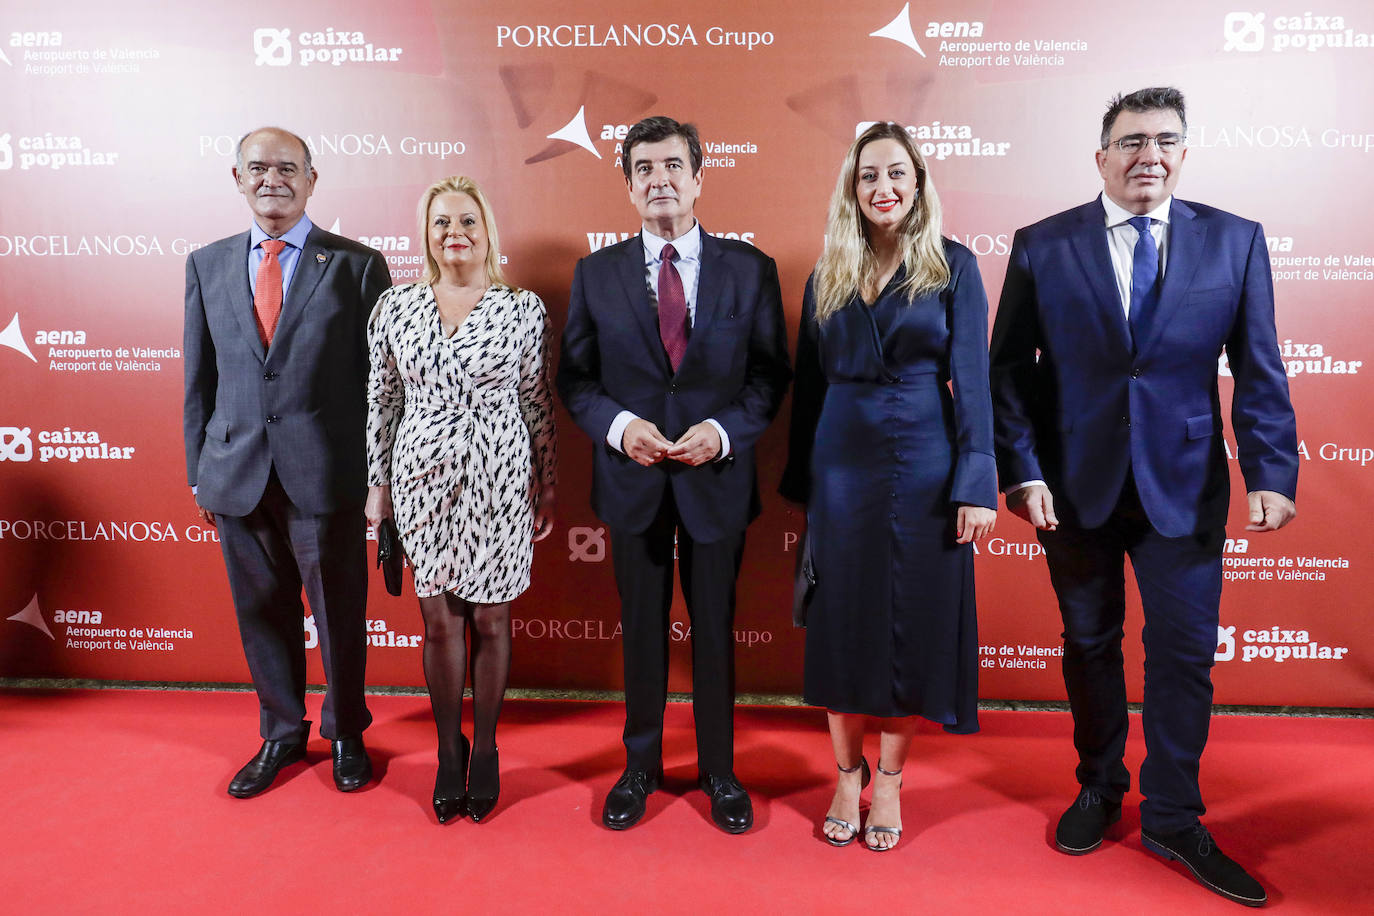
[301, 406]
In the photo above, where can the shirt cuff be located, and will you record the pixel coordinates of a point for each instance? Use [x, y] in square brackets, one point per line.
[1021, 486]
[724, 440]
[616, 433]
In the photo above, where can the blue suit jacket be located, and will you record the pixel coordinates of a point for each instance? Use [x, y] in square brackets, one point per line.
[1094, 405]
[300, 406]
[735, 371]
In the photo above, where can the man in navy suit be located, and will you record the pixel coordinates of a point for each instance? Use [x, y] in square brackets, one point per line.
[674, 360]
[274, 420]
[1109, 440]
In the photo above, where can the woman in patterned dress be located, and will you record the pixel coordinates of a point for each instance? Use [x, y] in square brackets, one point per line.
[462, 454]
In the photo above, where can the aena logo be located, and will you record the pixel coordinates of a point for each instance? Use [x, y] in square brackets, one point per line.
[13, 338]
[899, 30]
[575, 132]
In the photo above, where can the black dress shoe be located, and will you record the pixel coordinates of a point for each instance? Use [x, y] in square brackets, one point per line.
[625, 802]
[730, 806]
[352, 768]
[1082, 827]
[258, 773]
[1217, 871]
[484, 784]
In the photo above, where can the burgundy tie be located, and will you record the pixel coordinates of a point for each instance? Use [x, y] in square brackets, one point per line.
[672, 309]
[267, 291]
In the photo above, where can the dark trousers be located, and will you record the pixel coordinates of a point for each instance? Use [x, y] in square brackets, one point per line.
[270, 554]
[644, 577]
[1180, 590]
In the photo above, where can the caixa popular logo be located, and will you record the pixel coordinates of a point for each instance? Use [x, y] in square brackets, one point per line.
[1247, 31]
[51, 152]
[65, 444]
[1243, 31]
[586, 545]
[275, 48]
[1275, 644]
[16, 443]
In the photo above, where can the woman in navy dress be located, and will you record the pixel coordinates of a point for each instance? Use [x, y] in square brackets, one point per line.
[896, 471]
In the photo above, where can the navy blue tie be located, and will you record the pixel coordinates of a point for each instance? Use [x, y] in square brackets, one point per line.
[1144, 277]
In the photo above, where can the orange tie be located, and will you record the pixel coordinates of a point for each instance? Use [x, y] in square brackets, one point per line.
[267, 292]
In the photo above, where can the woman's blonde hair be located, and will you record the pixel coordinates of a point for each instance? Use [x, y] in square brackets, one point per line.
[847, 264]
[461, 184]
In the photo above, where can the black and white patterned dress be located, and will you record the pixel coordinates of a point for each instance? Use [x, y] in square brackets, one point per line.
[462, 429]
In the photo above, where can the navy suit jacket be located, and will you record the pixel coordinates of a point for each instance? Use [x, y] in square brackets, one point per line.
[1093, 404]
[300, 406]
[735, 371]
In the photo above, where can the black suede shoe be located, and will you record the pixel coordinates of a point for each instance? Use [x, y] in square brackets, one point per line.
[625, 802]
[1217, 871]
[352, 768]
[258, 773]
[1081, 827]
[730, 806]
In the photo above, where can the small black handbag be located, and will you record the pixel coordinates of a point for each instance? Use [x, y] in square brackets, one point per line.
[390, 557]
[803, 581]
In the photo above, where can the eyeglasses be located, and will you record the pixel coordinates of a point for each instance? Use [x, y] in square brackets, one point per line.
[1134, 143]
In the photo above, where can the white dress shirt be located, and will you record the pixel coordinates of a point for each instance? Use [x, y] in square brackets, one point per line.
[1121, 239]
[688, 264]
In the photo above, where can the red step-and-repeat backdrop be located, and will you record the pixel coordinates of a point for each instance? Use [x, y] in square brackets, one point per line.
[118, 124]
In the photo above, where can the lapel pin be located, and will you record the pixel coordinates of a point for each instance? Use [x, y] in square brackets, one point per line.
[321, 258]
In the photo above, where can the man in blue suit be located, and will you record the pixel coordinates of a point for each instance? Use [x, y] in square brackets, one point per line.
[1109, 441]
[274, 419]
[674, 360]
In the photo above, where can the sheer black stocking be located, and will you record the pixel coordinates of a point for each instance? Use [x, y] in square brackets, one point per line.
[491, 642]
[445, 662]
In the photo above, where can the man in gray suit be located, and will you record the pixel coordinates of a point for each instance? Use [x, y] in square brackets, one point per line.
[275, 414]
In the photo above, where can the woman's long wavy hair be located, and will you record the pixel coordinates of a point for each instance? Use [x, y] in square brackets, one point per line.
[463, 185]
[847, 265]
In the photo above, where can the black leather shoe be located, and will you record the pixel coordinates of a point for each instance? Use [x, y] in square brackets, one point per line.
[258, 773]
[1082, 827]
[730, 806]
[625, 802]
[352, 768]
[1217, 871]
[484, 784]
[450, 786]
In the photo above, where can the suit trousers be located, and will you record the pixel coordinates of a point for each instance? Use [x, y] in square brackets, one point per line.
[1180, 591]
[643, 564]
[272, 553]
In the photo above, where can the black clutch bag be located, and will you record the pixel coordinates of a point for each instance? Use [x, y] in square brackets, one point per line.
[390, 557]
[803, 580]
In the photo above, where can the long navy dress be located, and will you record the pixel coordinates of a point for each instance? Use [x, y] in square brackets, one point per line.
[881, 454]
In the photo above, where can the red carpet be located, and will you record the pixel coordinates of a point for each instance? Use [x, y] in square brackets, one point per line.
[115, 803]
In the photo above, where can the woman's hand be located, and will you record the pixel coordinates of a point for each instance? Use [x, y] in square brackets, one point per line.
[974, 523]
[378, 504]
[543, 513]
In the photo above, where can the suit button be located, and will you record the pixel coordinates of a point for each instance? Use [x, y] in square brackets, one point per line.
[1135, 373]
[269, 375]
[1127, 421]
[272, 418]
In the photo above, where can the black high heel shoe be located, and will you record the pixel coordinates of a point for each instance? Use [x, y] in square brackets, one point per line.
[450, 796]
[484, 784]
